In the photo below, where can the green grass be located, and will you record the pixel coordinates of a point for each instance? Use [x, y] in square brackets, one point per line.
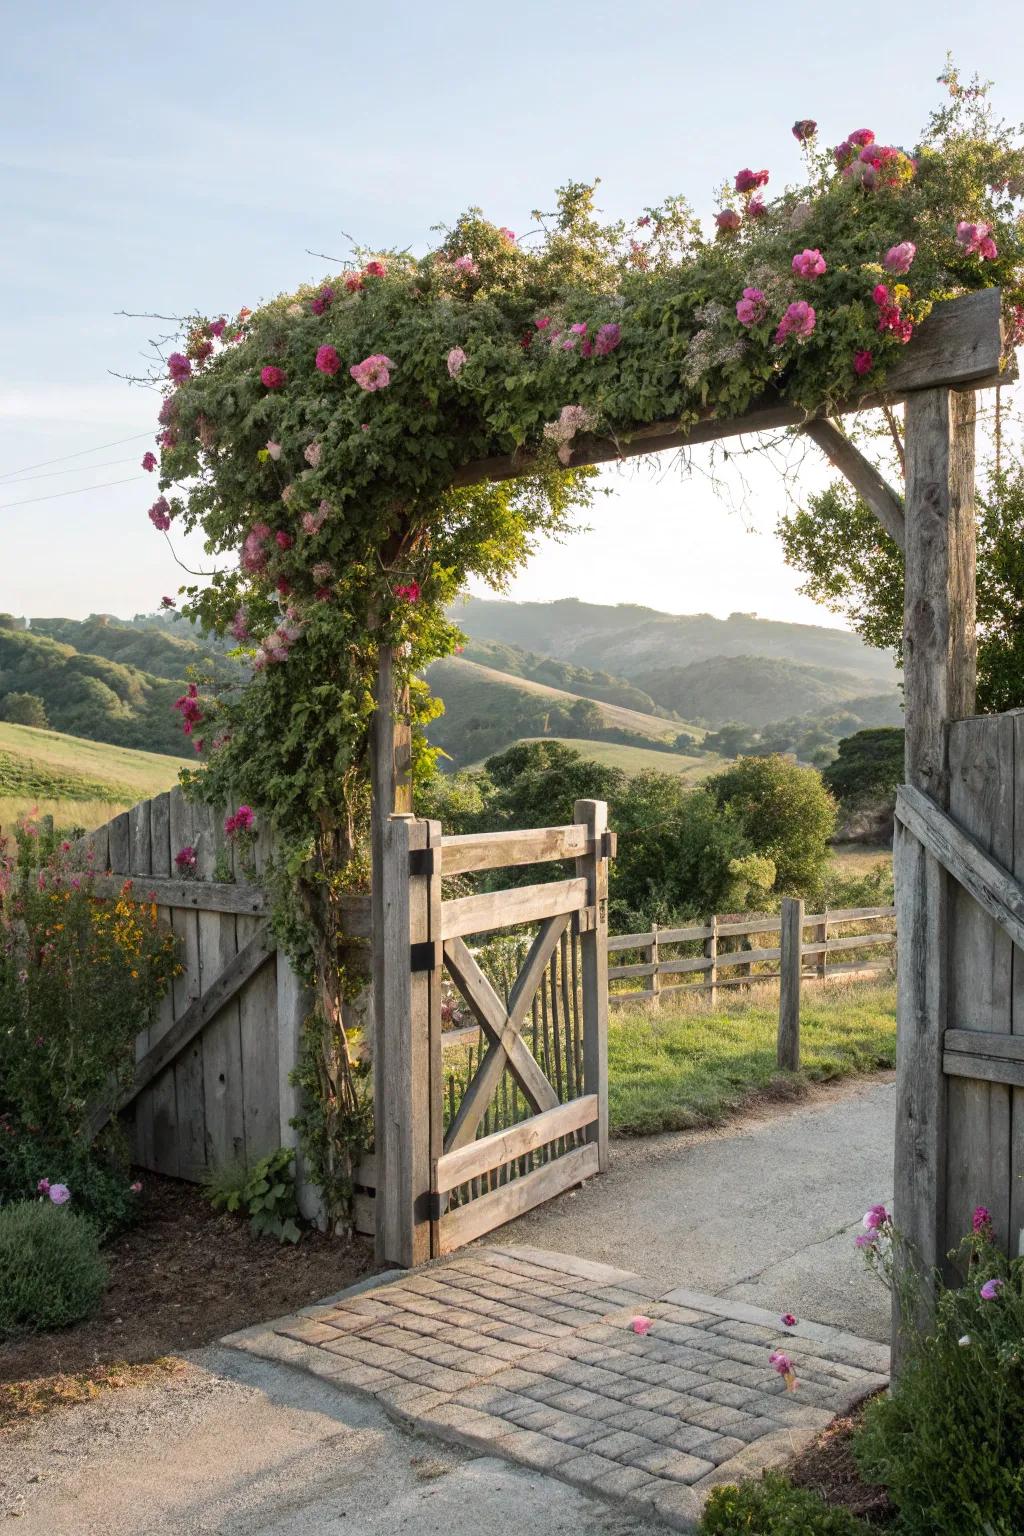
[76, 781]
[686, 1066]
[635, 759]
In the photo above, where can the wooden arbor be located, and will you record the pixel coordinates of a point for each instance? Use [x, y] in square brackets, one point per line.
[956, 352]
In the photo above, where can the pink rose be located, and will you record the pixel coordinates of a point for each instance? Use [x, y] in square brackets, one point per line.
[272, 377]
[799, 321]
[641, 1325]
[466, 265]
[507, 234]
[160, 514]
[456, 358]
[749, 181]
[804, 129]
[149, 461]
[862, 362]
[756, 208]
[899, 258]
[372, 373]
[809, 263]
[375, 269]
[59, 1194]
[750, 310]
[327, 360]
[178, 367]
[728, 221]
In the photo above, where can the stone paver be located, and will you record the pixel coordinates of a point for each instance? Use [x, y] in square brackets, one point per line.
[532, 1356]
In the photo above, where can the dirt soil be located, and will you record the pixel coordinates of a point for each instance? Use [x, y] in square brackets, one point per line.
[828, 1466]
[185, 1275]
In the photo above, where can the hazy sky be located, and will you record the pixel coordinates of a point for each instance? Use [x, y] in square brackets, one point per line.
[187, 158]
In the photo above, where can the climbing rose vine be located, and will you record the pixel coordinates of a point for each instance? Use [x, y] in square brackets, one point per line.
[317, 440]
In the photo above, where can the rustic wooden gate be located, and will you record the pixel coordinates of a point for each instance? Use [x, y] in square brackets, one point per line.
[960, 903]
[212, 1073]
[440, 1186]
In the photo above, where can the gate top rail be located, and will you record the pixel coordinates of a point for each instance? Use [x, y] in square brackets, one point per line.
[464, 853]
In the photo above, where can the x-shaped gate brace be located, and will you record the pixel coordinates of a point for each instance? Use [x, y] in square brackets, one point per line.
[502, 1027]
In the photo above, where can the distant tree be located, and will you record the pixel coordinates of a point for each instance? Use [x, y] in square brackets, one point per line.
[786, 812]
[24, 709]
[732, 740]
[868, 767]
[685, 742]
[538, 782]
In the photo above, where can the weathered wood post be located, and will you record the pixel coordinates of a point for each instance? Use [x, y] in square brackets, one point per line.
[654, 958]
[711, 956]
[821, 937]
[791, 942]
[593, 866]
[940, 664]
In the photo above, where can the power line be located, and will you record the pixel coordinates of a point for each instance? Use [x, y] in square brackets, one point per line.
[56, 495]
[78, 469]
[45, 463]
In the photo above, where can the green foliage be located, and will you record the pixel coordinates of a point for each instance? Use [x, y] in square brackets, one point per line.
[855, 569]
[51, 1272]
[335, 1126]
[79, 978]
[786, 812]
[868, 768]
[265, 1193]
[23, 709]
[590, 684]
[946, 1441]
[98, 1177]
[774, 1507]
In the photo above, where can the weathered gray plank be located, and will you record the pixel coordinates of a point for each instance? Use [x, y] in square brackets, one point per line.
[258, 1014]
[790, 981]
[1016, 1216]
[506, 909]
[245, 964]
[510, 1200]
[592, 869]
[119, 846]
[502, 850]
[201, 896]
[394, 1089]
[987, 881]
[488, 1152]
[981, 762]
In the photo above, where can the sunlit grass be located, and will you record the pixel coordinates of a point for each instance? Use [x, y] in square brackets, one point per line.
[687, 1066]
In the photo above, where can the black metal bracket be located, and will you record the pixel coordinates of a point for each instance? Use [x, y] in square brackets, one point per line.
[437, 1205]
[427, 956]
[423, 861]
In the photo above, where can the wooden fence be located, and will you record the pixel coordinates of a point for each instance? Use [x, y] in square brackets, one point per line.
[211, 1084]
[749, 963]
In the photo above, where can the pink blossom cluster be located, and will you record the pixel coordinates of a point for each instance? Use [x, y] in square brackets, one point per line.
[899, 258]
[254, 550]
[160, 514]
[456, 361]
[327, 360]
[276, 646]
[804, 129]
[466, 265]
[240, 625]
[751, 309]
[178, 367]
[571, 419]
[373, 372]
[809, 264]
[149, 461]
[409, 593]
[311, 453]
[748, 181]
[891, 320]
[323, 300]
[190, 709]
[728, 221]
[798, 321]
[185, 861]
[241, 820]
[312, 522]
[272, 377]
[976, 240]
[59, 1194]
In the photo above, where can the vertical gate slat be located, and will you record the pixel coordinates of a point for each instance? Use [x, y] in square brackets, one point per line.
[981, 752]
[221, 1056]
[160, 866]
[172, 1087]
[1016, 1214]
[258, 1013]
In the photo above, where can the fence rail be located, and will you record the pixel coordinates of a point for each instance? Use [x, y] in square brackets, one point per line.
[708, 965]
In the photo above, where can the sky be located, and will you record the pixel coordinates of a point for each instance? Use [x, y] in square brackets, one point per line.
[189, 158]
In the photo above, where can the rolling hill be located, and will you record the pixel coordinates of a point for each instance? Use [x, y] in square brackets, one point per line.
[78, 782]
[751, 689]
[633, 760]
[628, 640]
[486, 710]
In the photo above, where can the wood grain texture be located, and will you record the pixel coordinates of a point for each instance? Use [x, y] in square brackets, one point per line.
[510, 1200]
[505, 850]
[790, 982]
[592, 868]
[500, 1147]
[392, 1065]
[505, 909]
[870, 486]
[1016, 1216]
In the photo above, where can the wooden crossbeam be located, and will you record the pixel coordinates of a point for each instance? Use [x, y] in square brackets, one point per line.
[872, 487]
[959, 346]
[200, 895]
[504, 909]
[502, 1027]
[231, 980]
[992, 886]
[502, 1147]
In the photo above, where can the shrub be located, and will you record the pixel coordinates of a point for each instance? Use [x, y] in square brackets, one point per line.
[774, 1507]
[100, 1182]
[51, 1272]
[946, 1442]
[265, 1193]
[786, 812]
[79, 978]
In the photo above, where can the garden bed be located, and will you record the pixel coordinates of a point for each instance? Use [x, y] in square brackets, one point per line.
[828, 1467]
[183, 1276]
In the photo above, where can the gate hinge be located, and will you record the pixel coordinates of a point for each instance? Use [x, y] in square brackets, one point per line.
[609, 844]
[427, 956]
[436, 1205]
[423, 861]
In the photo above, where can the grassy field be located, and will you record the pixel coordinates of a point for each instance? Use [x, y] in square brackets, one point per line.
[688, 1066]
[860, 858]
[78, 782]
[637, 759]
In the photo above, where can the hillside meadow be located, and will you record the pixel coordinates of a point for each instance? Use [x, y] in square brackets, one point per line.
[78, 782]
